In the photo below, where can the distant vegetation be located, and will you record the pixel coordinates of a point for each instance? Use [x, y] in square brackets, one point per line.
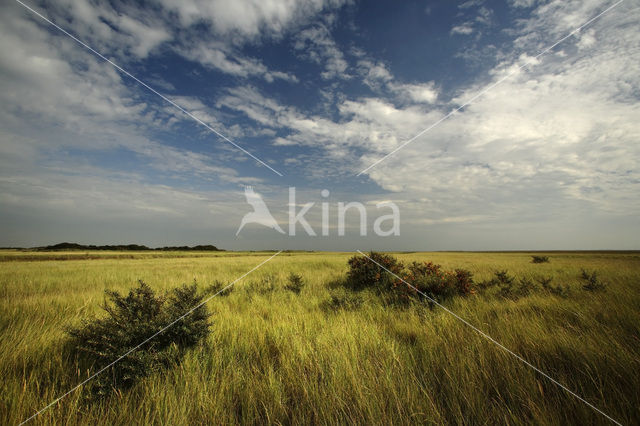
[320, 338]
[123, 247]
[539, 259]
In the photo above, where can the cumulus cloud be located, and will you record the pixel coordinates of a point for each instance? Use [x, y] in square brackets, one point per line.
[556, 139]
[559, 136]
[57, 99]
[248, 19]
[130, 32]
[377, 77]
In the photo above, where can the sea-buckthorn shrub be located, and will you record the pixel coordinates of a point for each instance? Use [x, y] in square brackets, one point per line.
[376, 270]
[429, 279]
[131, 341]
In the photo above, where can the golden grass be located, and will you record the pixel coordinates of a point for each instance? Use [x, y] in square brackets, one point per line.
[280, 358]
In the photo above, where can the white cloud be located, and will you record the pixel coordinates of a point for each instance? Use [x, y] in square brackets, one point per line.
[220, 57]
[522, 3]
[317, 45]
[249, 19]
[375, 74]
[56, 97]
[464, 29]
[130, 32]
[378, 77]
[558, 139]
[418, 93]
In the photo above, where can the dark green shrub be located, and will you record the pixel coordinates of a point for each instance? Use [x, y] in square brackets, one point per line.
[592, 283]
[294, 283]
[267, 285]
[429, 279]
[526, 287]
[501, 279]
[464, 282]
[219, 288]
[509, 290]
[342, 300]
[556, 290]
[545, 282]
[131, 320]
[365, 273]
[539, 259]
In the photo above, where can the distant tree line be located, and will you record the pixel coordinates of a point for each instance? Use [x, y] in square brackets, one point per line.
[123, 247]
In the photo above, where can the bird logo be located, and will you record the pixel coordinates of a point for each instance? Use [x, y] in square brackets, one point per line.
[260, 213]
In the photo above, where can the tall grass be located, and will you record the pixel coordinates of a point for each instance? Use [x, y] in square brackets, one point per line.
[279, 357]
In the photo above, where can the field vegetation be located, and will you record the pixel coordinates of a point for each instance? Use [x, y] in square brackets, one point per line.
[306, 339]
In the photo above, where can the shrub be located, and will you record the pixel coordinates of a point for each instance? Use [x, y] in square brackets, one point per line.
[526, 287]
[501, 278]
[342, 300]
[365, 273]
[429, 279]
[266, 285]
[131, 320]
[294, 283]
[553, 289]
[592, 283]
[508, 289]
[539, 259]
[464, 281]
[218, 287]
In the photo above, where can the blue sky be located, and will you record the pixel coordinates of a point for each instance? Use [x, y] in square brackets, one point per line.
[320, 90]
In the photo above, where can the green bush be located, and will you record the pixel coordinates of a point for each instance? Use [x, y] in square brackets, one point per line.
[509, 290]
[218, 288]
[129, 321]
[539, 259]
[365, 273]
[294, 283]
[267, 284]
[592, 283]
[556, 290]
[431, 280]
[341, 300]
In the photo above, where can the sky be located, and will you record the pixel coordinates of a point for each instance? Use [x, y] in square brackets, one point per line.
[528, 144]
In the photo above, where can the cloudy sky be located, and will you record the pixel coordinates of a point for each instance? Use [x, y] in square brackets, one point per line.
[318, 91]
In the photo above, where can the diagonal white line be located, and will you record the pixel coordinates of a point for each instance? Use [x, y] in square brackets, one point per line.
[482, 92]
[492, 340]
[147, 339]
[145, 85]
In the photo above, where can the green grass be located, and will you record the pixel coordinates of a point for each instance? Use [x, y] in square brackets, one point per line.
[278, 357]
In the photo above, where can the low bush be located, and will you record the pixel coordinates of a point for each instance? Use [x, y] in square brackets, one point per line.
[539, 259]
[425, 278]
[131, 320]
[342, 300]
[556, 290]
[501, 279]
[366, 273]
[437, 284]
[218, 288]
[509, 289]
[294, 283]
[592, 283]
[266, 285]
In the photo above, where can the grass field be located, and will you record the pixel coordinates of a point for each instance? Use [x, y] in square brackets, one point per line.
[281, 358]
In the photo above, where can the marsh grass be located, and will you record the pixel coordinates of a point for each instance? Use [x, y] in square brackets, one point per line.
[278, 357]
